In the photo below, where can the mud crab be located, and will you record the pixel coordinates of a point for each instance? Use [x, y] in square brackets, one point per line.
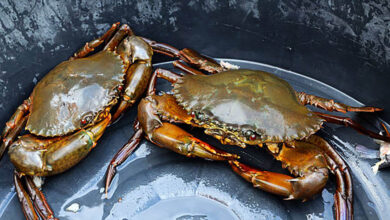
[70, 108]
[245, 107]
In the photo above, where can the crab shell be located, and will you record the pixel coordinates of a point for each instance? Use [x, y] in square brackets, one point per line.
[238, 101]
[73, 94]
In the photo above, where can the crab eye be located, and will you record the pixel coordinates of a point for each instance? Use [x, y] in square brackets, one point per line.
[250, 135]
[86, 119]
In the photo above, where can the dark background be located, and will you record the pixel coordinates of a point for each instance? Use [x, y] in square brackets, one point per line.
[345, 44]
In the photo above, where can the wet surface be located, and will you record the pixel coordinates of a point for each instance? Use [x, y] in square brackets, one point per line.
[157, 182]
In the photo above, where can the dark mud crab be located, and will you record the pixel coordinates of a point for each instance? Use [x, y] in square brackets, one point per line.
[70, 108]
[245, 107]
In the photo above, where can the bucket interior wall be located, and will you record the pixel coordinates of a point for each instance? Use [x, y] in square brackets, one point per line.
[343, 44]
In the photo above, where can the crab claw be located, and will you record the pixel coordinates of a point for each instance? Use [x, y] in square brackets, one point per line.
[311, 184]
[44, 157]
[292, 188]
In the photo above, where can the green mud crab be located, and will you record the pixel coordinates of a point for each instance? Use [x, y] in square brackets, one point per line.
[70, 108]
[245, 107]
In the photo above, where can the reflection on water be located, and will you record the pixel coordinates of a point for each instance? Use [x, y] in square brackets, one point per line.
[192, 217]
[187, 208]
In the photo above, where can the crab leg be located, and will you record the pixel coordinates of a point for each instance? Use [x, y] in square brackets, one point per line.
[199, 61]
[187, 55]
[123, 154]
[344, 195]
[161, 73]
[330, 104]
[14, 126]
[163, 48]
[165, 74]
[24, 199]
[343, 201]
[34, 197]
[186, 68]
[90, 46]
[39, 200]
[338, 162]
[348, 122]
